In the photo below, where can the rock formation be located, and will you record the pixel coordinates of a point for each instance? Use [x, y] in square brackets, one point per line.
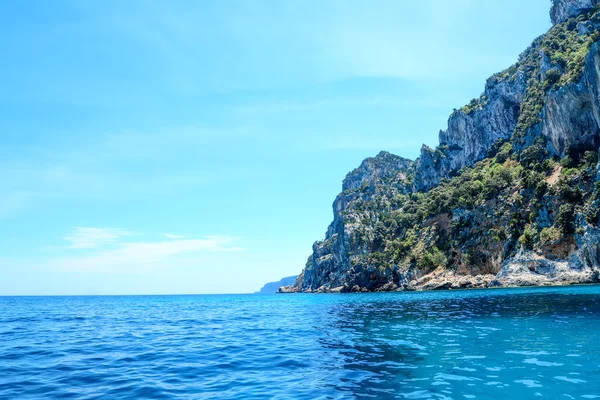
[562, 10]
[509, 197]
[273, 287]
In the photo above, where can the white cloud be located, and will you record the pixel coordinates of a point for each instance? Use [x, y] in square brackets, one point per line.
[133, 256]
[92, 238]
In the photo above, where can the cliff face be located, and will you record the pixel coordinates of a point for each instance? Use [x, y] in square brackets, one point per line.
[509, 197]
[562, 10]
[570, 117]
[471, 132]
[370, 188]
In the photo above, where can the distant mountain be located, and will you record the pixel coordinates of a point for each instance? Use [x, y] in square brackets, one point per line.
[273, 287]
[510, 197]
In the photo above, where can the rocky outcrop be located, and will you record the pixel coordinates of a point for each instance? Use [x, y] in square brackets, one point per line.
[471, 134]
[383, 168]
[289, 289]
[519, 216]
[530, 269]
[273, 287]
[383, 178]
[562, 10]
[571, 116]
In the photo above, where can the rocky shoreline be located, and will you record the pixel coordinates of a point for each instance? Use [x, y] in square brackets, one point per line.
[455, 282]
[524, 270]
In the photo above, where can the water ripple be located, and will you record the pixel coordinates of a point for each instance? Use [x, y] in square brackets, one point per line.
[517, 343]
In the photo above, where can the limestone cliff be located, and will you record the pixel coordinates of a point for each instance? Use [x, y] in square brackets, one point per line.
[370, 188]
[509, 197]
[562, 10]
[471, 132]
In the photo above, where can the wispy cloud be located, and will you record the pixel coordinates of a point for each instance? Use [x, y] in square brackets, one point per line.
[124, 256]
[92, 238]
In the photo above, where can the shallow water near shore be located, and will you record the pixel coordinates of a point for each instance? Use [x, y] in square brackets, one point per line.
[508, 343]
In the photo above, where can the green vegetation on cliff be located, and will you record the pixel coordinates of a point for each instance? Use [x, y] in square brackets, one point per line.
[505, 201]
[535, 194]
[565, 51]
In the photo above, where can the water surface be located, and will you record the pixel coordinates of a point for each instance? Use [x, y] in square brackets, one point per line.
[512, 343]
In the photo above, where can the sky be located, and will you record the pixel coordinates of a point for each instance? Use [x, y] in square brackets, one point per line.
[162, 147]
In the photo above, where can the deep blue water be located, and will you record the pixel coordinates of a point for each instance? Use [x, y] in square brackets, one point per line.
[514, 343]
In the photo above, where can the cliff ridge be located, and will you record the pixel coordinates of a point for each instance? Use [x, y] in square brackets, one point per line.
[509, 197]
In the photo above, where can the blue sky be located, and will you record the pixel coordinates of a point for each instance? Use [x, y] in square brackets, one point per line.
[196, 147]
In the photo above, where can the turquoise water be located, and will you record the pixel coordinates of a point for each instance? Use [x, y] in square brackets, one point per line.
[514, 343]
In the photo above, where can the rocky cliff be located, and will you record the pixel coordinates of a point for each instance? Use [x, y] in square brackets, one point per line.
[562, 10]
[473, 130]
[509, 197]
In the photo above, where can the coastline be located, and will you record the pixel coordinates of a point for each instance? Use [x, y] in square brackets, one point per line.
[450, 282]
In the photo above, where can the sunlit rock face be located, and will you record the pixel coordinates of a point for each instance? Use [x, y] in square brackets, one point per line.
[562, 10]
[383, 178]
[471, 134]
[377, 169]
[571, 115]
[530, 142]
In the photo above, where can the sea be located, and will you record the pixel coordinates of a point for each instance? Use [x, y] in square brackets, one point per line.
[538, 343]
